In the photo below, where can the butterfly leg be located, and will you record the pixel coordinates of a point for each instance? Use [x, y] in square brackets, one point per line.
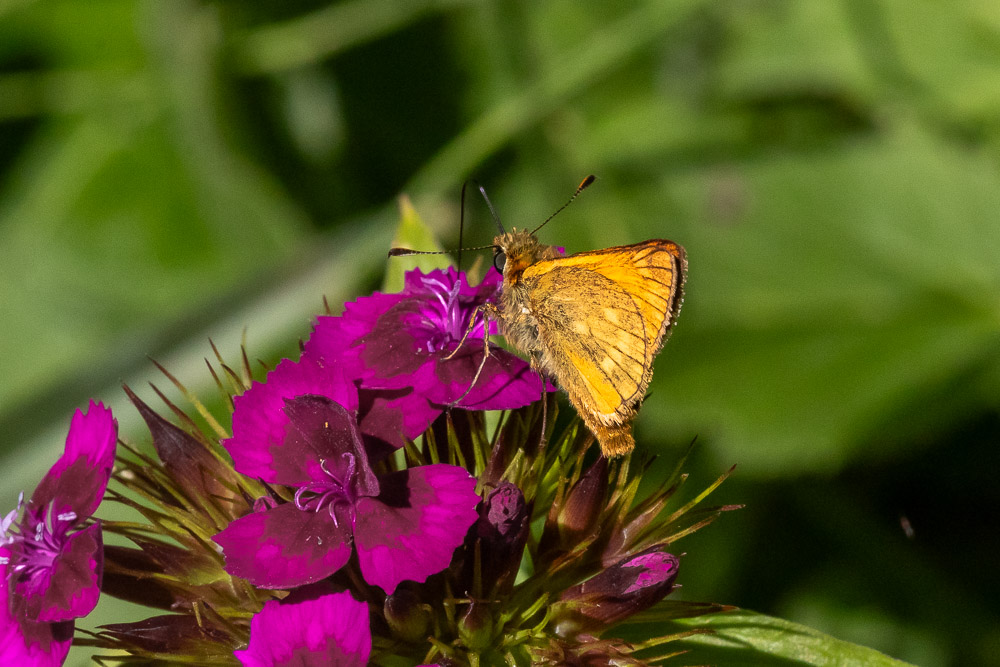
[487, 310]
[542, 440]
[481, 310]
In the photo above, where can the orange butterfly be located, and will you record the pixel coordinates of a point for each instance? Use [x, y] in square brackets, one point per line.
[594, 321]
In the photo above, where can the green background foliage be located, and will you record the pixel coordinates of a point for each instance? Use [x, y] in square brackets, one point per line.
[174, 170]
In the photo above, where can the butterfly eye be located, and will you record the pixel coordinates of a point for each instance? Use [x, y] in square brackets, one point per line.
[499, 261]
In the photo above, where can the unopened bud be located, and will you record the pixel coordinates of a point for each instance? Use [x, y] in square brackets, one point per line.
[475, 628]
[577, 517]
[633, 584]
[408, 618]
[501, 531]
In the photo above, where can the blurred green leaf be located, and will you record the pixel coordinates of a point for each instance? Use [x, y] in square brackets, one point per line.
[412, 233]
[747, 638]
[122, 219]
[315, 36]
[811, 314]
[794, 49]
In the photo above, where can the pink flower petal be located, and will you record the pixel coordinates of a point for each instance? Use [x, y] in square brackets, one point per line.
[412, 529]
[329, 630]
[24, 642]
[70, 587]
[259, 419]
[76, 483]
[392, 415]
[285, 546]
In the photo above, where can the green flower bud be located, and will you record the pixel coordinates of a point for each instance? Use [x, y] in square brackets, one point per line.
[407, 617]
[476, 627]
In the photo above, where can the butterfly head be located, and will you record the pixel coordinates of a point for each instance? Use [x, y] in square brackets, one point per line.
[516, 250]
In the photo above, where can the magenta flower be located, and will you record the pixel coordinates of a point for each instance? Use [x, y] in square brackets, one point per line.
[26, 642]
[53, 559]
[299, 429]
[329, 630]
[403, 341]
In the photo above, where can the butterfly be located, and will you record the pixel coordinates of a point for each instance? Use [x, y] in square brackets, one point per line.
[594, 321]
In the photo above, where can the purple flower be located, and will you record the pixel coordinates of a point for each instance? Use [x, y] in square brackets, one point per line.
[52, 560]
[404, 341]
[405, 525]
[329, 630]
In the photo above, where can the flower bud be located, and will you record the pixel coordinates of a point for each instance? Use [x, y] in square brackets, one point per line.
[623, 535]
[475, 628]
[190, 461]
[633, 584]
[576, 518]
[501, 530]
[407, 617]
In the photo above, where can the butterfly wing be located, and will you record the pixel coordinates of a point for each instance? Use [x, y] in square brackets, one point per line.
[602, 317]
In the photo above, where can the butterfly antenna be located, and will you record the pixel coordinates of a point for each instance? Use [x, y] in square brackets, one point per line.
[461, 225]
[403, 252]
[580, 188]
[493, 211]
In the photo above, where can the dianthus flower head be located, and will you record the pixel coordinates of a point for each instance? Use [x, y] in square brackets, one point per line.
[413, 341]
[370, 511]
[52, 560]
[299, 429]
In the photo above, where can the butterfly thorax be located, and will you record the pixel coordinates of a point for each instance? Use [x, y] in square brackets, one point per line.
[517, 322]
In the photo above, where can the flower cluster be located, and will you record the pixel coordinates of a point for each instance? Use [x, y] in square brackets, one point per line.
[394, 496]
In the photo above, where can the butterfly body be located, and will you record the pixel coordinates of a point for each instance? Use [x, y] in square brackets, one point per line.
[594, 321]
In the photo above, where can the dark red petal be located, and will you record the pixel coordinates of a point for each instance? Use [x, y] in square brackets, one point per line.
[323, 442]
[394, 416]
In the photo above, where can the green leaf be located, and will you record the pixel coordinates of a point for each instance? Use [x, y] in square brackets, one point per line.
[747, 638]
[135, 211]
[831, 297]
[412, 233]
[801, 48]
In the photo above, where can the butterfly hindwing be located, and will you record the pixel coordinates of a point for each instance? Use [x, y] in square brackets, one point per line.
[598, 363]
[603, 316]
